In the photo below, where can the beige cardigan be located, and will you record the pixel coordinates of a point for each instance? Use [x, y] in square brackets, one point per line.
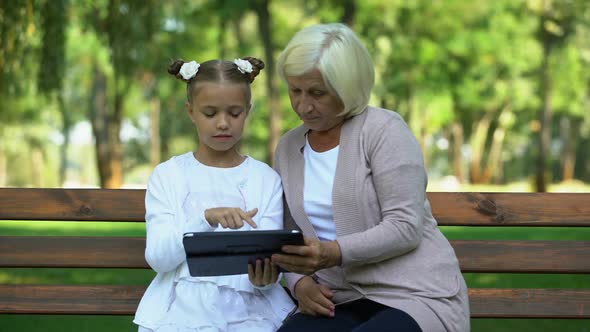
[392, 250]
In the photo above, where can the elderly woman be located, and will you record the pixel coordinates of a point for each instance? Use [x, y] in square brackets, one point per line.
[355, 185]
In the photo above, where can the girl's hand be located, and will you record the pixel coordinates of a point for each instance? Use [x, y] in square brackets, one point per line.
[309, 258]
[314, 299]
[262, 276]
[230, 217]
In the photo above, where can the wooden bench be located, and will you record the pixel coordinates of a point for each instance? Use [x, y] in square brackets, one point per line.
[450, 209]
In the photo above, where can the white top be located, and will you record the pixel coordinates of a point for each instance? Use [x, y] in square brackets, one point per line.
[178, 192]
[320, 168]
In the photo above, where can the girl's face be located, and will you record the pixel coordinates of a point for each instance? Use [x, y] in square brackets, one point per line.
[218, 111]
[313, 102]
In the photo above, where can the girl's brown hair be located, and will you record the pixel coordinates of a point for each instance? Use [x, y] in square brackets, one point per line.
[218, 71]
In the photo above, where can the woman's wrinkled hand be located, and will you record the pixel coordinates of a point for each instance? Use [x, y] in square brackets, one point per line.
[260, 275]
[314, 299]
[310, 257]
[233, 218]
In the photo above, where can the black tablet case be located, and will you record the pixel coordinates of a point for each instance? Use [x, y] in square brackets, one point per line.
[228, 253]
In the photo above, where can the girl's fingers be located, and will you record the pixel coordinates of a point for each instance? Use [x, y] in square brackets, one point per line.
[251, 274]
[247, 217]
[318, 309]
[259, 273]
[223, 222]
[237, 221]
[267, 273]
[275, 272]
[252, 212]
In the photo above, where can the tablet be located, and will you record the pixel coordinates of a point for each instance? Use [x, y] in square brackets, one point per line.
[228, 253]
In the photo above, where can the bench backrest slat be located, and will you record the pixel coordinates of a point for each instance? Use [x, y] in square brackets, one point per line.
[125, 252]
[466, 209]
[72, 204]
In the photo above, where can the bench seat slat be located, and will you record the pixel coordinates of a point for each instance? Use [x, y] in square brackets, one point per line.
[524, 256]
[529, 303]
[128, 252]
[123, 300]
[463, 209]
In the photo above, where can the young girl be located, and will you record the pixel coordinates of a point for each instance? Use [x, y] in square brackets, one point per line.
[213, 189]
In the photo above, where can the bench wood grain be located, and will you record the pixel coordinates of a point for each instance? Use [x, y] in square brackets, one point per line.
[450, 209]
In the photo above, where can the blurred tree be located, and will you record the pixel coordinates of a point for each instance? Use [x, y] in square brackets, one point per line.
[265, 30]
[127, 27]
[54, 20]
[557, 23]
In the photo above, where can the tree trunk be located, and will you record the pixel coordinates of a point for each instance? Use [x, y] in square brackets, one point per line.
[349, 12]
[456, 150]
[65, 131]
[155, 146]
[417, 122]
[221, 37]
[265, 30]
[37, 165]
[105, 128]
[165, 132]
[545, 114]
[115, 144]
[494, 163]
[238, 34]
[568, 152]
[3, 177]
[478, 145]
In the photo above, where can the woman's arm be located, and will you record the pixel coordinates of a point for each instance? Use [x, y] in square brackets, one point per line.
[400, 180]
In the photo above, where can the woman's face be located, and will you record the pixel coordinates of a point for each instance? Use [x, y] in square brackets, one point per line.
[313, 102]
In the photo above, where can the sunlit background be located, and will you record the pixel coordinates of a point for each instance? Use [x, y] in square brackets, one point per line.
[496, 92]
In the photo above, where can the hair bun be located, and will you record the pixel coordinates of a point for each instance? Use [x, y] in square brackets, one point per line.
[174, 69]
[257, 66]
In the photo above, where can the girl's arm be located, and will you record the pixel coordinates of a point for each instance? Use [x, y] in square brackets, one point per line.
[271, 216]
[271, 210]
[164, 249]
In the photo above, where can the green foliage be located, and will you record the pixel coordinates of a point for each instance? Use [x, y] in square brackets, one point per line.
[437, 63]
[53, 58]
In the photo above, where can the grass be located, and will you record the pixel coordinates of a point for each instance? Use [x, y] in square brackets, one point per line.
[65, 323]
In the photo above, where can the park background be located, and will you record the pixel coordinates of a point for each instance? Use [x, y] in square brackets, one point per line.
[496, 92]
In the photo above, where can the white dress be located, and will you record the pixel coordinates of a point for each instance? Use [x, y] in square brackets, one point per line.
[224, 303]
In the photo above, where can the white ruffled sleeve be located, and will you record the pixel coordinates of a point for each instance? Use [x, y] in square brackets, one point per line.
[164, 225]
[271, 209]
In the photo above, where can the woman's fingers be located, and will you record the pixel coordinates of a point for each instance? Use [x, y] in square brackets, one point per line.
[294, 263]
[296, 250]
